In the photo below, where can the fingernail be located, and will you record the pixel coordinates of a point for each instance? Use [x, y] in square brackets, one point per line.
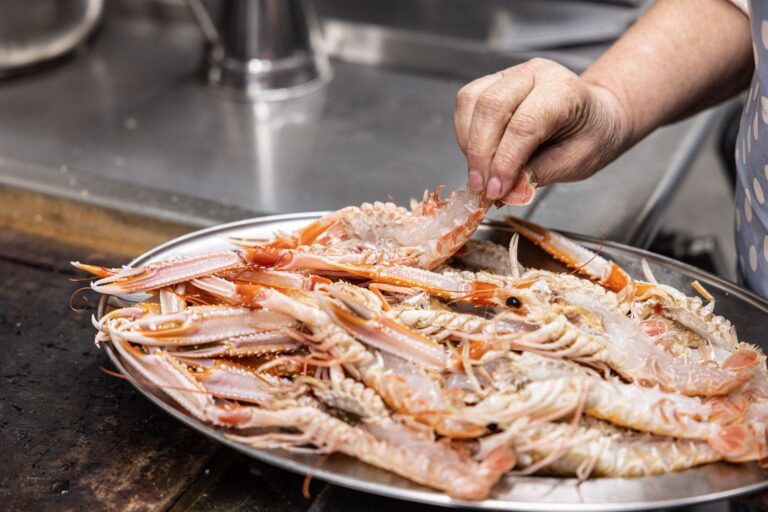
[514, 198]
[494, 188]
[521, 195]
[475, 181]
[529, 191]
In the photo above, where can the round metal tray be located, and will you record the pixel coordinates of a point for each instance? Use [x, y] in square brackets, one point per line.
[707, 483]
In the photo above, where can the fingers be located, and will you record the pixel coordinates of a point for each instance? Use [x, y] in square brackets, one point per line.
[548, 111]
[574, 159]
[493, 110]
[522, 192]
[465, 106]
[466, 100]
[502, 120]
[536, 122]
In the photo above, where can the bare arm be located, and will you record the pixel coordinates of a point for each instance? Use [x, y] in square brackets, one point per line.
[679, 58]
[541, 122]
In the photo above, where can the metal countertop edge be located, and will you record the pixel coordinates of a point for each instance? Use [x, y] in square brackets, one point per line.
[83, 187]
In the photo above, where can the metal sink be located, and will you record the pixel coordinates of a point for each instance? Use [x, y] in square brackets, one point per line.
[502, 25]
[460, 38]
[472, 37]
[128, 124]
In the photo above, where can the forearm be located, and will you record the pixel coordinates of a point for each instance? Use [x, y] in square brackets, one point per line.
[680, 57]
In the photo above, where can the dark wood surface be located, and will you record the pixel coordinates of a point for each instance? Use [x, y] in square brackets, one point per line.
[74, 438]
[69, 434]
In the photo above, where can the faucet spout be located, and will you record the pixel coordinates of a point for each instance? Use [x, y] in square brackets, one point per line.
[262, 50]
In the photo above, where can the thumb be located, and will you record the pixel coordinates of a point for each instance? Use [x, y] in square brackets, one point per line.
[523, 191]
[570, 160]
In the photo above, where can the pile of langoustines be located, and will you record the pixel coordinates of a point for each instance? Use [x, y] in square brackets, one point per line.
[386, 334]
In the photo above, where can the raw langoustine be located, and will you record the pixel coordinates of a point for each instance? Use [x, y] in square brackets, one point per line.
[378, 233]
[358, 334]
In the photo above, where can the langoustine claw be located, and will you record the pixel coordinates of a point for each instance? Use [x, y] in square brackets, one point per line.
[159, 274]
[588, 263]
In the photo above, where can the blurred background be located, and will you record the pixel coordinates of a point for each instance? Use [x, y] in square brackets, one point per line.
[126, 123]
[204, 112]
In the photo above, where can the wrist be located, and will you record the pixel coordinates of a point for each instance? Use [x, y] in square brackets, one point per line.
[619, 122]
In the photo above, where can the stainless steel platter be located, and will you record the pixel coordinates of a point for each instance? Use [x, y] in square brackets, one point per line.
[708, 483]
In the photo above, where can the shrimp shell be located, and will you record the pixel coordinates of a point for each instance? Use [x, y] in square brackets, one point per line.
[485, 255]
[618, 454]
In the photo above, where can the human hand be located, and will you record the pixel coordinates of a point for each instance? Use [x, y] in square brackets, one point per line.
[536, 123]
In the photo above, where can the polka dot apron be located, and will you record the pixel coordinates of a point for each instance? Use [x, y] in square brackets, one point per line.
[752, 164]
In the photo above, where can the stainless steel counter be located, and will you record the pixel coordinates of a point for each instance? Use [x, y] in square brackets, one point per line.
[129, 126]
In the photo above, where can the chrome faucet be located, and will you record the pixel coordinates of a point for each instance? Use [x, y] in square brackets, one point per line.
[262, 50]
